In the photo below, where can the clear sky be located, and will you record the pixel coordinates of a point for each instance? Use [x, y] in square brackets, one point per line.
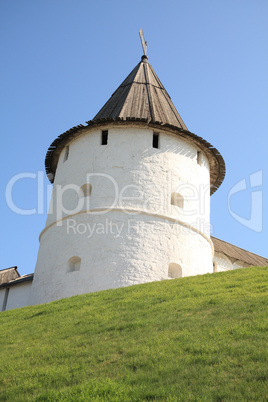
[62, 59]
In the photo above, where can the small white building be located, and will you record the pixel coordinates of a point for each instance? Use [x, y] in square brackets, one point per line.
[15, 290]
[130, 201]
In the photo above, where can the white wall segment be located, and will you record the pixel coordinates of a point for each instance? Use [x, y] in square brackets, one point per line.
[125, 229]
[17, 296]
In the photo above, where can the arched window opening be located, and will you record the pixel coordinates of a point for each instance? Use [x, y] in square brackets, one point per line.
[177, 200]
[174, 271]
[85, 190]
[74, 264]
[66, 153]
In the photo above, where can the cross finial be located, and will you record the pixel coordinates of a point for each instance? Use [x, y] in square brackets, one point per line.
[144, 44]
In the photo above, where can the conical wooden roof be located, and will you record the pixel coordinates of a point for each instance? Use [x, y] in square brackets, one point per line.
[142, 96]
[141, 99]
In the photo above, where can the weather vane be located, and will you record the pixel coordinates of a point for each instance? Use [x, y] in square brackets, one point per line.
[144, 44]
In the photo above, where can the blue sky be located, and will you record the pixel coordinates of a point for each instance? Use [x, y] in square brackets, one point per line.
[62, 59]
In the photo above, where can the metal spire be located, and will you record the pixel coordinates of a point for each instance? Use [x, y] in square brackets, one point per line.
[144, 44]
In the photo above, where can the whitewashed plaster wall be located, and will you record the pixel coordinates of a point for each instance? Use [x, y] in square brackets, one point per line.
[240, 264]
[126, 231]
[146, 175]
[18, 295]
[224, 263]
[21, 297]
[123, 254]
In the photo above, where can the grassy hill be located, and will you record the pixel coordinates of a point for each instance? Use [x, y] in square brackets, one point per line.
[192, 339]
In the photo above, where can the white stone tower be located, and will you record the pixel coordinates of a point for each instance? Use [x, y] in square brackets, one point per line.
[131, 196]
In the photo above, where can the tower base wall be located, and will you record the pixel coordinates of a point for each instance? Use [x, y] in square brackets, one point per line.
[86, 253]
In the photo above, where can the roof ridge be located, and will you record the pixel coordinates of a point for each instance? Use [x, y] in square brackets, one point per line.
[130, 85]
[148, 89]
[14, 267]
[122, 85]
[156, 77]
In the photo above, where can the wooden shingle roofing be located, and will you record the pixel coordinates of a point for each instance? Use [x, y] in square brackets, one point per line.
[8, 274]
[142, 95]
[142, 100]
[238, 253]
[20, 279]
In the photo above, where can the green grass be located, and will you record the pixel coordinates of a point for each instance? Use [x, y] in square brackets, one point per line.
[193, 339]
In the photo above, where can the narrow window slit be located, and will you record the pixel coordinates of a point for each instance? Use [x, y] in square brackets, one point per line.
[66, 154]
[104, 137]
[155, 140]
[198, 157]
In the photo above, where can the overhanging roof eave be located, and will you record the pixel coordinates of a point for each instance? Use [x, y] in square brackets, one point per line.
[217, 164]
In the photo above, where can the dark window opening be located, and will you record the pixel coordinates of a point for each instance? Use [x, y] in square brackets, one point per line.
[66, 154]
[198, 157]
[104, 137]
[155, 140]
